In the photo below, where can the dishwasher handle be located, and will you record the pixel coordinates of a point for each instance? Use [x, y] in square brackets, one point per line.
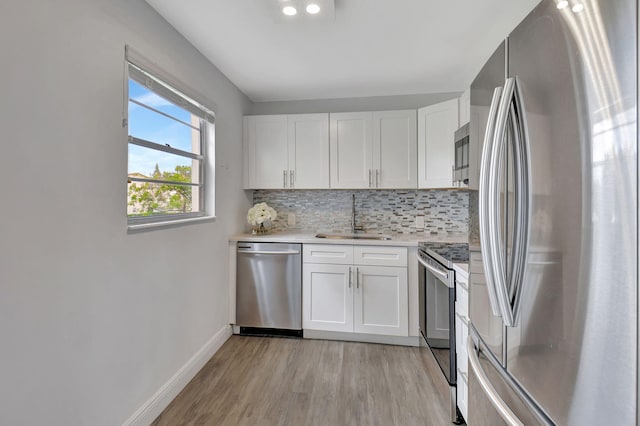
[276, 252]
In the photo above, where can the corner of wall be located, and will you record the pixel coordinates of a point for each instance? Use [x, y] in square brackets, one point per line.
[154, 406]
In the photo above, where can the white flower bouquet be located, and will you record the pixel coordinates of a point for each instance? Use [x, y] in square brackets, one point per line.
[259, 216]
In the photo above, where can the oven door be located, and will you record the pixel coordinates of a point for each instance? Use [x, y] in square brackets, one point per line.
[437, 313]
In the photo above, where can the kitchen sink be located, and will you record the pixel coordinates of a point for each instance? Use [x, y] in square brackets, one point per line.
[354, 236]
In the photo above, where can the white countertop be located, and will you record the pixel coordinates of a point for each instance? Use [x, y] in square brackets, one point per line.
[403, 240]
[462, 272]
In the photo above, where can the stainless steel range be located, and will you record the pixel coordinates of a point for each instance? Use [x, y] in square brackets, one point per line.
[437, 297]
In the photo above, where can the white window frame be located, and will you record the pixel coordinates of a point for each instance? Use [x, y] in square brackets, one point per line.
[147, 74]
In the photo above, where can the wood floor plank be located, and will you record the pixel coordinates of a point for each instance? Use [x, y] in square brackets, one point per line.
[282, 382]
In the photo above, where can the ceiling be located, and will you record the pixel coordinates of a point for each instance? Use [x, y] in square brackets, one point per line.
[370, 48]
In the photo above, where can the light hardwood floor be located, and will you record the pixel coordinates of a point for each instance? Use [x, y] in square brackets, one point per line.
[278, 381]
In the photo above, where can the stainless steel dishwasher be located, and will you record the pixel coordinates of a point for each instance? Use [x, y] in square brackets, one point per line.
[269, 289]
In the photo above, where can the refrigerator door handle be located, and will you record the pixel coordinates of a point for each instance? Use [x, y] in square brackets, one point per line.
[509, 287]
[502, 408]
[498, 145]
[522, 225]
[485, 189]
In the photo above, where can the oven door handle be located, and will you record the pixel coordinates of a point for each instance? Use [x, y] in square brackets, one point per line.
[443, 275]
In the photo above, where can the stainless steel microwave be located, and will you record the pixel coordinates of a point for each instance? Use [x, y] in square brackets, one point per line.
[461, 164]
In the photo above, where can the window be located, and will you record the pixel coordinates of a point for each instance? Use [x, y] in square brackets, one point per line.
[169, 137]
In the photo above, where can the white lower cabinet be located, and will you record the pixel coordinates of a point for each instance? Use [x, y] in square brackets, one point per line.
[463, 393]
[380, 300]
[327, 299]
[462, 357]
[352, 297]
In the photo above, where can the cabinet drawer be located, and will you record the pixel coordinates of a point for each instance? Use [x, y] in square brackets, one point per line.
[380, 256]
[475, 263]
[462, 332]
[327, 253]
[462, 301]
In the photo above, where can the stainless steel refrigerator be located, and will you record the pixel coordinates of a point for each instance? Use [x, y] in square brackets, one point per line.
[553, 220]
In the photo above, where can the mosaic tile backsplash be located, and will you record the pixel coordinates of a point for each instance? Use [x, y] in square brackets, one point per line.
[386, 211]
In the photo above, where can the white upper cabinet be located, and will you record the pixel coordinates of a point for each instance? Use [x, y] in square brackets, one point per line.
[373, 149]
[436, 126]
[266, 151]
[465, 107]
[395, 145]
[351, 148]
[308, 151]
[286, 151]
[354, 150]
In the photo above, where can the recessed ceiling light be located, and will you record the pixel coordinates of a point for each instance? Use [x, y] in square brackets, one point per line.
[562, 4]
[313, 8]
[289, 10]
[577, 8]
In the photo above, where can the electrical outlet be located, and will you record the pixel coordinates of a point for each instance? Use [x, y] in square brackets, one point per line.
[291, 219]
[419, 222]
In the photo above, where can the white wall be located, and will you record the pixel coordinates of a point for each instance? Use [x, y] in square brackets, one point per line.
[93, 321]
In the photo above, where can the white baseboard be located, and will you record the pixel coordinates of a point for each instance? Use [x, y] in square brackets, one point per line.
[151, 409]
[361, 337]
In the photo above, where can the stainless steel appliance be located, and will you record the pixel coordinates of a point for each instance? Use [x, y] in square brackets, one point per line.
[437, 297]
[553, 221]
[461, 164]
[269, 288]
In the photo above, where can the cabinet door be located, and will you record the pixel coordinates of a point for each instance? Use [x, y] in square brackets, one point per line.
[463, 393]
[464, 105]
[380, 300]
[436, 125]
[351, 146]
[266, 151]
[327, 297]
[395, 148]
[308, 151]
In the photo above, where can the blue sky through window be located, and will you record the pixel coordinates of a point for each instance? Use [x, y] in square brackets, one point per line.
[154, 127]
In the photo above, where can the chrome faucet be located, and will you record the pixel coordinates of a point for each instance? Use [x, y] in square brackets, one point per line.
[354, 228]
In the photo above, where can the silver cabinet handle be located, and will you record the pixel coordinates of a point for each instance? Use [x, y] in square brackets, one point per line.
[284, 178]
[489, 390]
[377, 178]
[291, 179]
[357, 278]
[484, 193]
[350, 278]
[369, 178]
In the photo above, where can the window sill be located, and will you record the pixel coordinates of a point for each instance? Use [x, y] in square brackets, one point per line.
[140, 227]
